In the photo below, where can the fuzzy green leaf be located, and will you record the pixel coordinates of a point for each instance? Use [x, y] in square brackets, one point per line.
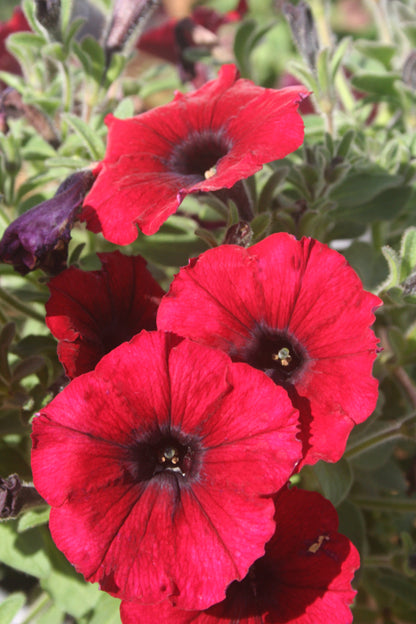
[10, 607]
[408, 254]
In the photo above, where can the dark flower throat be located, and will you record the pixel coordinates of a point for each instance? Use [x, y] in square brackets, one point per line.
[199, 154]
[276, 353]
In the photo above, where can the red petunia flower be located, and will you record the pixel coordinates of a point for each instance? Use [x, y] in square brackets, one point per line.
[297, 311]
[16, 23]
[204, 141]
[303, 578]
[92, 312]
[158, 465]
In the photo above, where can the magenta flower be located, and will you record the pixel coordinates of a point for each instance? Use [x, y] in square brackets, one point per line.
[92, 312]
[295, 310]
[158, 466]
[303, 578]
[203, 141]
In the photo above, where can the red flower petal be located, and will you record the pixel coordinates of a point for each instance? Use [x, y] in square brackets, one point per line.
[229, 126]
[283, 293]
[127, 515]
[91, 312]
[16, 23]
[303, 578]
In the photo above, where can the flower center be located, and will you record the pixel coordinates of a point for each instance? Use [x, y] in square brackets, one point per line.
[199, 154]
[173, 457]
[163, 455]
[276, 353]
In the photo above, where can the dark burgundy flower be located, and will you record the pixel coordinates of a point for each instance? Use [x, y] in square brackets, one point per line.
[16, 23]
[204, 141]
[303, 578]
[158, 465]
[39, 238]
[17, 497]
[297, 311]
[159, 37]
[92, 312]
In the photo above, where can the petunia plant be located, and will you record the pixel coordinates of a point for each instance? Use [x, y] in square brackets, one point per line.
[207, 320]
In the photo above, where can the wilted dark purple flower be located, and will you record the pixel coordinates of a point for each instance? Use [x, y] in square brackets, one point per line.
[39, 238]
[16, 497]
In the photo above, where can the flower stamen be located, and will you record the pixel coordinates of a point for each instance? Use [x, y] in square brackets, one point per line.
[283, 356]
[209, 173]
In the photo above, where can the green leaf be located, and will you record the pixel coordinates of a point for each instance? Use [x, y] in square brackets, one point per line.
[172, 245]
[27, 367]
[352, 525]
[274, 180]
[335, 479]
[70, 163]
[66, 11]
[69, 591]
[124, 109]
[25, 39]
[24, 551]
[241, 51]
[106, 611]
[368, 262]
[117, 64]
[338, 56]
[53, 615]
[400, 586]
[386, 206]
[360, 187]
[55, 51]
[33, 518]
[96, 56]
[322, 68]
[34, 345]
[393, 262]
[377, 84]
[260, 225]
[305, 76]
[10, 607]
[93, 143]
[345, 143]
[381, 52]
[408, 254]
[73, 28]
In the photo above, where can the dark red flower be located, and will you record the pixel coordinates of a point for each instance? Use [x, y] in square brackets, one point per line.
[92, 312]
[158, 465]
[16, 23]
[204, 141]
[297, 311]
[303, 578]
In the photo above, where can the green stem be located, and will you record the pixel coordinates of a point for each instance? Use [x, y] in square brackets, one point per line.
[14, 303]
[406, 383]
[320, 13]
[377, 561]
[344, 92]
[390, 432]
[402, 505]
[380, 16]
[377, 235]
[38, 606]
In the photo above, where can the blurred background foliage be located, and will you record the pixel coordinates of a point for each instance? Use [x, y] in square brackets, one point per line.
[351, 185]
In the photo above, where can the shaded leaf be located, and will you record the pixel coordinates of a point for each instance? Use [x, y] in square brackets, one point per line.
[335, 479]
[24, 551]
